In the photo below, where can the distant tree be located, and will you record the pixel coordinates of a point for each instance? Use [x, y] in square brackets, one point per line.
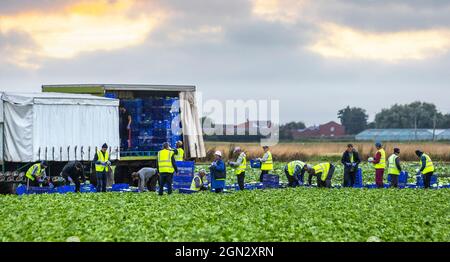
[286, 129]
[354, 119]
[417, 114]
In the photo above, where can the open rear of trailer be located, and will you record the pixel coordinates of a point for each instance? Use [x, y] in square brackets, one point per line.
[160, 113]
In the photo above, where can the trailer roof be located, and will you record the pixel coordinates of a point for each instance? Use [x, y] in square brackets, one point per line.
[127, 87]
[55, 98]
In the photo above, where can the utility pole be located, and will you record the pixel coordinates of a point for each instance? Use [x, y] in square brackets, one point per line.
[415, 125]
[434, 127]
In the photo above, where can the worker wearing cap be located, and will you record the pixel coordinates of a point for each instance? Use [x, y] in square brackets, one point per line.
[379, 163]
[166, 166]
[179, 152]
[394, 167]
[323, 172]
[36, 174]
[72, 173]
[197, 182]
[295, 172]
[266, 163]
[350, 160]
[218, 173]
[102, 167]
[146, 176]
[240, 167]
[427, 168]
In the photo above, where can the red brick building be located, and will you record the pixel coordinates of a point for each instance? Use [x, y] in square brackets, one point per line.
[330, 129]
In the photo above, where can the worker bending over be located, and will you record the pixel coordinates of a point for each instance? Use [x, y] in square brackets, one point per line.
[36, 174]
[427, 168]
[350, 160]
[266, 163]
[146, 176]
[102, 166]
[166, 166]
[197, 182]
[73, 172]
[240, 167]
[324, 172]
[295, 172]
[379, 162]
[218, 173]
[394, 167]
[179, 152]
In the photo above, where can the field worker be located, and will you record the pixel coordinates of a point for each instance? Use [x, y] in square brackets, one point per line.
[379, 163]
[427, 169]
[197, 182]
[323, 172]
[36, 174]
[166, 166]
[72, 173]
[102, 166]
[295, 172]
[266, 163]
[394, 167]
[179, 152]
[125, 121]
[240, 167]
[218, 173]
[146, 176]
[350, 160]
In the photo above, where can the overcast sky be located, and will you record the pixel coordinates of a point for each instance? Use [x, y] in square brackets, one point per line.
[315, 56]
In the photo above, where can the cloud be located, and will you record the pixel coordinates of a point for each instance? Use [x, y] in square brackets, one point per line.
[284, 11]
[337, 41]
[85, 26]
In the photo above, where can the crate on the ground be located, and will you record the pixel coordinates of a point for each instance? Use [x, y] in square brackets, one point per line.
[65, 189]
[186, 191]
[420, 180]
[119, 187]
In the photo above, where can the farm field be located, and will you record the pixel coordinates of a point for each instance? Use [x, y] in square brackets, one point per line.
[301, 214]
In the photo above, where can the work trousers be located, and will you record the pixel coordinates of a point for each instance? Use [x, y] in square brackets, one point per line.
[263, 172]
[349, 177]
[101, 181]
[165, 179]
[241, 180]
[379, 173]
[427, 179]
[151, 183]
[292, 181]
[327, 182]
[394, 181]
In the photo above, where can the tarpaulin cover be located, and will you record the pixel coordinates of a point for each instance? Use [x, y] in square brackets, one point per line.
[192, 130]
[58, 127]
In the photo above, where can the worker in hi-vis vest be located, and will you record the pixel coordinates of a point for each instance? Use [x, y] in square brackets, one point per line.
[102, 167]
[179, 151]
[197, 183]
[295, 172]
[379, 162]
[266, 163]
[36, 174]
[240, 167]
[394, 167]
[427, 168]
[166, 166]
[324, 172]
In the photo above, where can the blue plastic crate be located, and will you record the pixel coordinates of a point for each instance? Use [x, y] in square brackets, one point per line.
[268, 178]
[185, 167]
[88, 189]
[420, 180]
[181, 179]
[186, 191]
[66, 189]
[21, 190]
[255, 163]
[358, 179]
[110, 95]
[118, 187]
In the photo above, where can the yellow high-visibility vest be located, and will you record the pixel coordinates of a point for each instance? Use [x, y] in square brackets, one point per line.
[29, 173]
[268, 165]
[322, 169]
[165, 161]
[243, 166]
[392, 162]
[103, 159]
[180, 154]
[194, 186]
[429, 165]
[382, 164]
[292, 165]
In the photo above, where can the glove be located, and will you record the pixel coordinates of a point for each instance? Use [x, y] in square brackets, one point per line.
[354, 164]
[87, 182]
[108, 163]
[70, 179]
[348, 164]
[103, 163]
[51, 185]
[128, 127]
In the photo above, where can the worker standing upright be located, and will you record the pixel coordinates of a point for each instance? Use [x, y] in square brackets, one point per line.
[102, 166]
[350, 160]
[240, 167]
[166, 166]
[295, 172]
[323, 172]
[394, 167]
[36, 174]
[379, 163]
[218, 173]
[427, 168]
[179, 152]
[266, 163]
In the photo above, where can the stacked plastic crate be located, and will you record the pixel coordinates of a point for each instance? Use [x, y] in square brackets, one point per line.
[183, 178]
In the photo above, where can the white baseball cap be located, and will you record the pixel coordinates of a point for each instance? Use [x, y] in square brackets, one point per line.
[218, 153]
